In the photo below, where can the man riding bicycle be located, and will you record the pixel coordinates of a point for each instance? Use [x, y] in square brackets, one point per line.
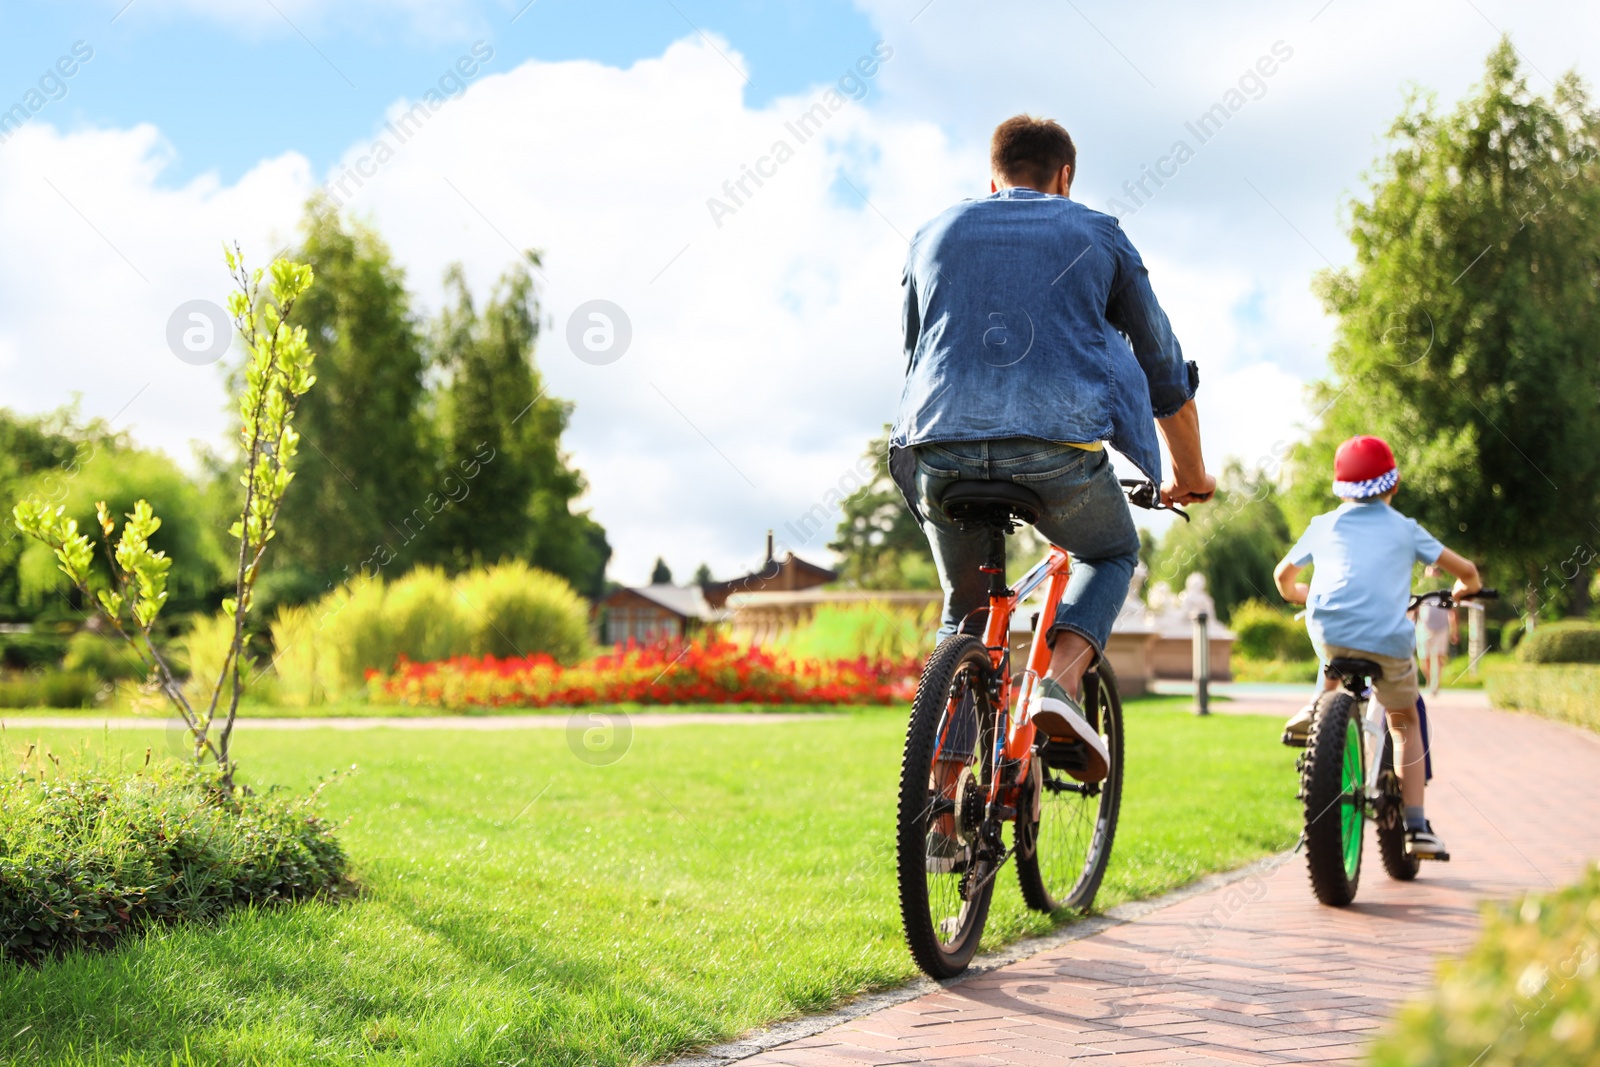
[1032, 336]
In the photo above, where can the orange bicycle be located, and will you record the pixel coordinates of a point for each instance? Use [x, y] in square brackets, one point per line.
[974, 761]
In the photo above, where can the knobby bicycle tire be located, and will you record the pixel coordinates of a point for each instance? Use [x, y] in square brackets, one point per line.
[942, 673]
[1096, 829]
[1330, 807]
[1391, 823]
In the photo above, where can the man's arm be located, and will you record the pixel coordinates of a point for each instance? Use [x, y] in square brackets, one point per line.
[1292, 591]
[1132, 308]
[1462, 569]
[1189, 483]
[910, 314]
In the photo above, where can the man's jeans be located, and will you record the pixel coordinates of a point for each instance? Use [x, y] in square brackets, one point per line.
[1085, 513]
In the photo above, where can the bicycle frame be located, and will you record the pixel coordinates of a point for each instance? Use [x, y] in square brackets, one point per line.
[1374, 723]
[1015, 740]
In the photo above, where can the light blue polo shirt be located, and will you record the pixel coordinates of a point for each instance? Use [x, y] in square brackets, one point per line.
[1364, 553]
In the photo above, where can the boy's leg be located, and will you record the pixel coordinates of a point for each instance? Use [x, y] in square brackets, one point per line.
[1398, 692]
[1409, 753]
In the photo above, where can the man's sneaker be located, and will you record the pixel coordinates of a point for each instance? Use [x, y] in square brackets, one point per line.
[944, 854]
[1074, 746]
[1424, 844]
[1297, 731]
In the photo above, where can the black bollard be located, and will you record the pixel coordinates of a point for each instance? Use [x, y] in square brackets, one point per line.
[1202, 665]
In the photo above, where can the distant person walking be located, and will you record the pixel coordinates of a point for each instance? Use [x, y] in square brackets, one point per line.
[1437, 630]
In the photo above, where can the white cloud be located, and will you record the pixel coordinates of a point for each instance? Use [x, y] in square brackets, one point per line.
[99, 255]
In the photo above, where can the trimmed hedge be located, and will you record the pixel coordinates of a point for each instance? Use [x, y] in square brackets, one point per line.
[1570, 641]
[1569, 692]
[53, 688]
[22, 651]
[1263, 632]
[1527, 993]
[89, 856]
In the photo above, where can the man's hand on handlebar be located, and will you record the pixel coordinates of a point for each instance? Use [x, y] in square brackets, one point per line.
[1189, 489]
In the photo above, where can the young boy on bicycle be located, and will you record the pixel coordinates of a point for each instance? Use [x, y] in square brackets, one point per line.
[1364, 551]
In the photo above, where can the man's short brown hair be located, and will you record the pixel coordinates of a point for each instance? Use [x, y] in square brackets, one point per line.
[1029, 151]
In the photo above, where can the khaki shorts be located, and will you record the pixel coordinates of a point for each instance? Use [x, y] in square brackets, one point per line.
[1398, 686]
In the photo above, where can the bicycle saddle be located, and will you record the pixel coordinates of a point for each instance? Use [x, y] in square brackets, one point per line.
[989, 503]
[1354, 668]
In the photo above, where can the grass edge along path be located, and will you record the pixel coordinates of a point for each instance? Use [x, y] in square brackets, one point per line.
[522, 906]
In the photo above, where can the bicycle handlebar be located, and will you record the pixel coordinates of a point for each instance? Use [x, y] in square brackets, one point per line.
[1447, 599]
[1142, 493]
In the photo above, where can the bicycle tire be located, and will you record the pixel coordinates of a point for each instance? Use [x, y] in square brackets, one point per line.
[1035, 873]
[948, 678]
[1333, 815]
[1399, 864]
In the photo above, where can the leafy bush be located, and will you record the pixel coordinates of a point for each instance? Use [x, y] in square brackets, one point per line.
[205, 650]
[86, 856]
[1564, 692]
[876, 630]
[1527, 993]
[1511, 633]
[425, 618]
[515, 610]
[24, 651]
[53, 688]
[104, 656]
[507, 610]
[1562, 642]
[1264, 632]
[298, 661]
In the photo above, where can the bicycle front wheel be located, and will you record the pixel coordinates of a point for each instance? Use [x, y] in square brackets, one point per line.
[945, 885]
[1331, 785]
[1062, 856]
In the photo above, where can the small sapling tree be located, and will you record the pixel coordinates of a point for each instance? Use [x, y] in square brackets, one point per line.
[277, 374]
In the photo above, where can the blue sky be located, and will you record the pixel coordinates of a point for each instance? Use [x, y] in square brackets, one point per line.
[226, 93]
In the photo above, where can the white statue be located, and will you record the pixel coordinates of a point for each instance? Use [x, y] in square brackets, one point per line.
[1195, 599]
[1134, 615]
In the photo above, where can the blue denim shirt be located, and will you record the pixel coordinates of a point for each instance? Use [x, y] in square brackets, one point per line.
[1030, 315]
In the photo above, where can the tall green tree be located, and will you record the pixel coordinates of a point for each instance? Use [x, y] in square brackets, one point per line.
[367, 464]
[509, 482]
[1235, 541]
[41, 455]
[1469, 324]
[660, 574]
[880, 545]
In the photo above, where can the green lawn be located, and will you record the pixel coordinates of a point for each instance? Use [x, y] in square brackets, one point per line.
[521, 906]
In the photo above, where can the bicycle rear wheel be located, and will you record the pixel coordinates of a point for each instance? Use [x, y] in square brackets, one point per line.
[945, 885]
[1062, 857]
[1331, 785]
[1391, 823]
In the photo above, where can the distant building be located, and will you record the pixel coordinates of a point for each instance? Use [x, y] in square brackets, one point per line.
[650, 613]
[787, 575]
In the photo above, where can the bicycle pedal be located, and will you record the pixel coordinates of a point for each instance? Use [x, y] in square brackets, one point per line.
[1065, 755]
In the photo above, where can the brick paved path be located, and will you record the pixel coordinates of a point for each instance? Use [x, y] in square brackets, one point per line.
[1257, 971]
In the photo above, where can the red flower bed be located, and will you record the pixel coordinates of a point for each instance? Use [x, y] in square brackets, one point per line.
[718, 672]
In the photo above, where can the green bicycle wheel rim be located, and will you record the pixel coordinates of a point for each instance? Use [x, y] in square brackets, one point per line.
[1349, 809]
